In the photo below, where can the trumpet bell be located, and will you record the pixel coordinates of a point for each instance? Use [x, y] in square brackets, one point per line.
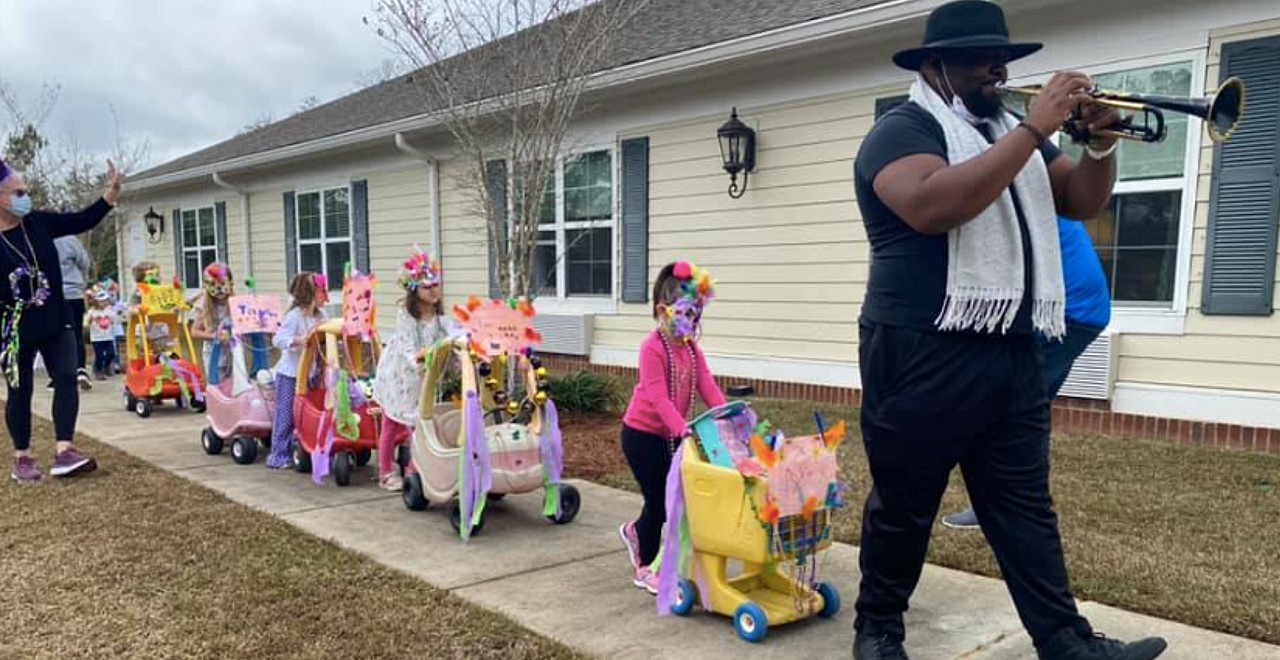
[1225, 110]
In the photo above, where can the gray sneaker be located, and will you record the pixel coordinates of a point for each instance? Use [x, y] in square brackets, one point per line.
[72, 462]
[82, 377]
[966, 519]
[25, 470]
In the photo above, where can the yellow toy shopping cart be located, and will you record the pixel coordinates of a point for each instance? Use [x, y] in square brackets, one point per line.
[762, 499]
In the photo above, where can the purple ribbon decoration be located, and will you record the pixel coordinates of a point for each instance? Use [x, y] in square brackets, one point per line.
[551, 447]
[477, 478]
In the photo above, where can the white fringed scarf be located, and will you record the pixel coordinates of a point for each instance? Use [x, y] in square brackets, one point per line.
[984, 256]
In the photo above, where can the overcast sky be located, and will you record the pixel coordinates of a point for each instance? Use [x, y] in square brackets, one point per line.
[182, 74]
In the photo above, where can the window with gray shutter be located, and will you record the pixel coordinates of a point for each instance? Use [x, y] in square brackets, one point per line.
[1240, 256]
[360, 224]
[496, 177]
[177, 243]
[635, 220]
[290, 238]
[220, 220]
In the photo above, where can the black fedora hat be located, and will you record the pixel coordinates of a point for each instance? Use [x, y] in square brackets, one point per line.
[963, 25]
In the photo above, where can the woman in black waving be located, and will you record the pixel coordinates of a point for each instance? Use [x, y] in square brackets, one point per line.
[35, 318]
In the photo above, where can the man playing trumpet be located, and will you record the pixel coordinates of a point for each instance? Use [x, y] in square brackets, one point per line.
[960, 201]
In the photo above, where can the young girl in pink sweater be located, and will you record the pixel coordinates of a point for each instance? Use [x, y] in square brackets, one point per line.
[673, 373]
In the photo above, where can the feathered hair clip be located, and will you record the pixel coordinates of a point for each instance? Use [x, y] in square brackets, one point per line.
[321, 281]
[217, 272]
[419, 271]
[695, 283]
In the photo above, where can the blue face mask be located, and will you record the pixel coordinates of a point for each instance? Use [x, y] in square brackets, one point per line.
[20, 205]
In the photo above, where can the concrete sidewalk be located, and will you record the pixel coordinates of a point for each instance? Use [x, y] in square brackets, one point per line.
[570, 582]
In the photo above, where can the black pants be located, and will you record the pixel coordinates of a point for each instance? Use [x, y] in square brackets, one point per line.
[650, 458]
[77, 326]
[59, 360]
[932, 401]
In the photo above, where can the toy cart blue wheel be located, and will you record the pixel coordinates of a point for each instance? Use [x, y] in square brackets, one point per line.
[830, 600]
[685, 598]
[750, 622]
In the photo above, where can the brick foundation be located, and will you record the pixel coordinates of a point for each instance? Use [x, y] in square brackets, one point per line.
[1084, 416]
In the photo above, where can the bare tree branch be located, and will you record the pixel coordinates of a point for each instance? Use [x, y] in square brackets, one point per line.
[506, 78]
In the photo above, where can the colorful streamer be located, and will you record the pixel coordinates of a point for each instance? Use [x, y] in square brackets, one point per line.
[551, 447]
[476, 478]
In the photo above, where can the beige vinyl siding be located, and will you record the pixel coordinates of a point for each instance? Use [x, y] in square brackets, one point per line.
[266, 229]
[399, 217]
[790, 257]
[463, 246]
[1225, 352]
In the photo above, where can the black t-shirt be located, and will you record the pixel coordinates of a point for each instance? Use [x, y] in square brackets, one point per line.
[42, 227]
[908, 279]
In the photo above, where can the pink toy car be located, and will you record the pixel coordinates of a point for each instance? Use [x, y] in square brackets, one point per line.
[240, 409]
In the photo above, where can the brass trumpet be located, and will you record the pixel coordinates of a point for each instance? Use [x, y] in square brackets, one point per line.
[1221, 112]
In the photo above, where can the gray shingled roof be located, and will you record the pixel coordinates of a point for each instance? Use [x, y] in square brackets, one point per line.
[665, 27]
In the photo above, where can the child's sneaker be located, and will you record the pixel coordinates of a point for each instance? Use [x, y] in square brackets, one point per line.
[82, 377]
[25, 470]
[631, 540]
[391, 481]
[71, 461]
[646, 579]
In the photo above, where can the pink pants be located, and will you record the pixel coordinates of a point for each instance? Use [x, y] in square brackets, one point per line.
[392, 434]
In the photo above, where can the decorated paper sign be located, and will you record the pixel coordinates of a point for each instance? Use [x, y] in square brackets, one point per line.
[800, 481]
[498, 326]
[254, 313]
[359, 313]
[159, 298]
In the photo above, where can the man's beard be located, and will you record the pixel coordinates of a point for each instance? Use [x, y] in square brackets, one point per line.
[981, 106]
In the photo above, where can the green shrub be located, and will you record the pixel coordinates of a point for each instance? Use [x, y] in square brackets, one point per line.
[584, 391]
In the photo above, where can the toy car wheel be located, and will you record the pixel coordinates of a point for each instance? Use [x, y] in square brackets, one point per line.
[830, 600]
[129, 401]
[685, 598]
[750, 622]
[342, 469]
[244, 451]
[301, 459]
[455, 518]
[363, 457]
[210, 441]
[414, 498]
[197, 406]
[570, 502]
[142, 407]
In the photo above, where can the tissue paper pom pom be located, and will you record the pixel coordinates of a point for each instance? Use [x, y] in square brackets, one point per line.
[683, 270]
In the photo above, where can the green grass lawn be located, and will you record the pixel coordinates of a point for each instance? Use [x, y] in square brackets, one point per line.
[1180, 532]
[133, 562]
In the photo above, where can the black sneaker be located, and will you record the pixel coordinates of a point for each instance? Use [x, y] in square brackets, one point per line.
[1070, 645]
[872, 645]
[82, 377]
[49, 386]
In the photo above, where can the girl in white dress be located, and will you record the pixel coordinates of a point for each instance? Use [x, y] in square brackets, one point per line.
[398, 387]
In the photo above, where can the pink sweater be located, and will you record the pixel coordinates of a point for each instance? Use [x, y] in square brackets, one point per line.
[652, 409]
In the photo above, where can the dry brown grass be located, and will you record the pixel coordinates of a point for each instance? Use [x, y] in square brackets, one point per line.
[1185, 533]
[132, 562]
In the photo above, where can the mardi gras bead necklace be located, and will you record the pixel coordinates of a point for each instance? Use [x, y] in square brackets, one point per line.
[11, 321]
[671, 380]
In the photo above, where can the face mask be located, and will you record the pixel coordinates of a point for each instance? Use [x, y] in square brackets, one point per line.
[683, 317]
[20, 205]
[957, 104]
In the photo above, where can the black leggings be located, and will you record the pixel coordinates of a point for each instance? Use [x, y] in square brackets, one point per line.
[60, 361]
[650, 458]
[77, 326]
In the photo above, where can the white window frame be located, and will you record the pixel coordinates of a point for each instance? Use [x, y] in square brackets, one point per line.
[324, 240]
[561, 302]
[198, 248]
[1158, 319]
